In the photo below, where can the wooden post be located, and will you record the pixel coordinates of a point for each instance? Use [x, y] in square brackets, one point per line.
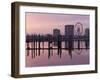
[28, 47]
[39, 44]
[78, 43]
[48, 49]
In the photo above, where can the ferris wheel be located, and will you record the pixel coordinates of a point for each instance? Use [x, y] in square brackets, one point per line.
[78, 28]
[78, 32]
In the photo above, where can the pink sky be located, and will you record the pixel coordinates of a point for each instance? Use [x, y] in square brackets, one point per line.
[44, 23]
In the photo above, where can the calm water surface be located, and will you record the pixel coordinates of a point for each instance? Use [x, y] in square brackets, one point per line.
[75, 57]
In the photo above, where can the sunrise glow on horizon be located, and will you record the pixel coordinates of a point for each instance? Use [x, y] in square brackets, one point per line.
[44, 23]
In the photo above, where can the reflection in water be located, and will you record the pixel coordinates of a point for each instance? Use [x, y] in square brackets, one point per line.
[48, 55]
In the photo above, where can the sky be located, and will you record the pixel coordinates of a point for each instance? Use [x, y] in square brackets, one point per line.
[44, 23]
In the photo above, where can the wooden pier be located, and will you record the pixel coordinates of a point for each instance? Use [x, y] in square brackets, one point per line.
[38, 41]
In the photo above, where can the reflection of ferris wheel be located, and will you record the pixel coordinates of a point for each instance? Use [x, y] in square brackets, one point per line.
[78, 32]
[78, 28]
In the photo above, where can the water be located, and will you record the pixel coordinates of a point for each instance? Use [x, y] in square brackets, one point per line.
[75, 57]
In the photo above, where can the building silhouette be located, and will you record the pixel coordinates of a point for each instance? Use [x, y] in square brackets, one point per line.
[87, 39]
[69, 33]
[56, 33]
[87, 32]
